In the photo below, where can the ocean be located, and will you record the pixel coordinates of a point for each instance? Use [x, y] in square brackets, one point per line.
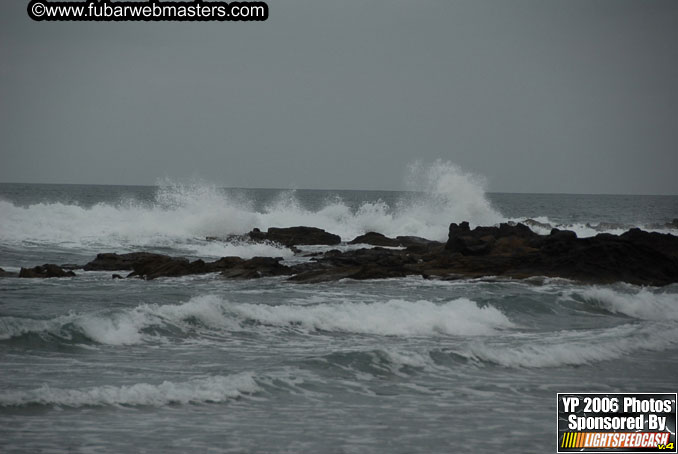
[408, 365]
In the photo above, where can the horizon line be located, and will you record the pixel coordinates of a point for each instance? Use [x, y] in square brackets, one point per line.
[337, 189]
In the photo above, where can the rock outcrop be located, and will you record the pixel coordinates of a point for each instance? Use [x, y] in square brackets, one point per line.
[44, 271]
[119, 262]
[151, 266]
[636, 257]
[295, 236]
[508, 250]
[375, 239]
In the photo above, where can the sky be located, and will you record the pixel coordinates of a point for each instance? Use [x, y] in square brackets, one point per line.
[535, 96]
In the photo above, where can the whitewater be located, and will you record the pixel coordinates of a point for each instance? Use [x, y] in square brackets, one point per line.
[406, 365]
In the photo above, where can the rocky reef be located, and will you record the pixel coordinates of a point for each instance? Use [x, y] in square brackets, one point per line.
[507, 250]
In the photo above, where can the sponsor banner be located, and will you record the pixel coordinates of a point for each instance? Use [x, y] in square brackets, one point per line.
[620, 422]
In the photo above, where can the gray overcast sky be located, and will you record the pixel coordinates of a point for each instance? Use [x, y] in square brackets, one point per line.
[537, 96]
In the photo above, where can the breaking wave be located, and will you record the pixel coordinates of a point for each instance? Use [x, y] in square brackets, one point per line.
[199, 390]
[642, 304]
[572, 348]
[392, 318]
[122, 327]
[148, 321]
[178, 217]
[181, 216]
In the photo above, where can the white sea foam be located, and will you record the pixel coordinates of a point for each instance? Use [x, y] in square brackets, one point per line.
[569, 348]
[16, 326]
[394, 317]
[400, 359]
[180, 216]
[199, 390]
[586, 230]
[126, 326]
[643, 304]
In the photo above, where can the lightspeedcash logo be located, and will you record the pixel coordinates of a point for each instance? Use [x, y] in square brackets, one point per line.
[617, 422]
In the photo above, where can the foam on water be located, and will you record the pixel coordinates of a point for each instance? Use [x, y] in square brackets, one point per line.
[199, 390]
[393, 317]
[126, 326]
[571, 348]
[181, 214]
[642, 304]
[544, 225]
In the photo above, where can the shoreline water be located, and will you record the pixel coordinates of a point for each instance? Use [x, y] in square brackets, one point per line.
[397, 365]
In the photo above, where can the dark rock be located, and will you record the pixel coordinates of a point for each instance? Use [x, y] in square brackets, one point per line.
[313, 254]
[294, 236]
[410, 241]
[507, 250]
[45, 271]
[375, 263]
[118, 262]
[151, 266]
[164, 266]
[257, 267]
[517, 230]
[458, 230]
[116, 276]
[511, 251]
[227, 262]
[375, 239]
[418, 245]
[661, 242]
[605, 260]
[484, 240]
[637, 257]
[562, 235]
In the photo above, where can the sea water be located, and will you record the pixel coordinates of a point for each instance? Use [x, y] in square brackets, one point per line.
[204, 364]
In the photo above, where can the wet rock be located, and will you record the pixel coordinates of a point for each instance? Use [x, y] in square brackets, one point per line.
[416, 241]
[119, 262]
[255, 268]
[637, 257]
[164, 266]
[557, 234]
[45, 271]
[660, 242]
[506, 251]
[375, 239]
[295, 236]
[374, 263]
[484, 240]
[151, 266]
